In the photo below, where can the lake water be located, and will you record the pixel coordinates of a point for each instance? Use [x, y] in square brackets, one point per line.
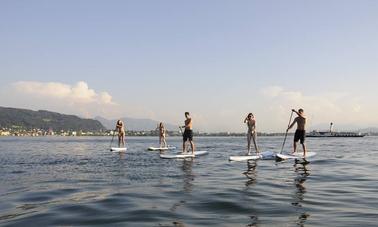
[76, 181]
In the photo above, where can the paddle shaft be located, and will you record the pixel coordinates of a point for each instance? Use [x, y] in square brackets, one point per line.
[112, 139]
[283, 144]
[181, 130]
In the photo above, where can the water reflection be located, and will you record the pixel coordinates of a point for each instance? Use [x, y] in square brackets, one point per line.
[187, 165]
[254, 221]
[251, 173]
[188, 178]
[302, 171]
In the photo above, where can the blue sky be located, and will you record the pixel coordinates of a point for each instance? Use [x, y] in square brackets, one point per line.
[217, 59]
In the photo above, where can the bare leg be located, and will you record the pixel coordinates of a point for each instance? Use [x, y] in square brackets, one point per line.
[304, 149]
[121, 140]
[254, 136]
[295, 147]
[183, 147]
[192, 146]
[249, 143]
[164, 142]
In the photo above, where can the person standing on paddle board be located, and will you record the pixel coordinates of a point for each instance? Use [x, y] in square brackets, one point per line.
[251, 134]
[300, 133]
[188, 133]
[120, 127]
[161, 129]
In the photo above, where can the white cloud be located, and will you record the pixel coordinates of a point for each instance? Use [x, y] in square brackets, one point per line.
[272, 91]
[77, 93]
[42, 89]
[340, 107]
[77, 98]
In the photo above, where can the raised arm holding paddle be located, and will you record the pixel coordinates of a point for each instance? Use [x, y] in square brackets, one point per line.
[300, 133]
[188, 133]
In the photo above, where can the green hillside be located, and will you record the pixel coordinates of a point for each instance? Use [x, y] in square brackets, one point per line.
[42, 119]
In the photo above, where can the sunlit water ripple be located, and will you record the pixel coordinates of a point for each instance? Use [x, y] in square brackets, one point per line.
[60, 181]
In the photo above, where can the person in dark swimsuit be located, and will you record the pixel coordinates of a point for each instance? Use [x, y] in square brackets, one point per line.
[188, 133]
[300, 133]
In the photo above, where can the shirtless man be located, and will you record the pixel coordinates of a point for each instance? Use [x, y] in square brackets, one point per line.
[188, 133]
[300, 133]
[120, 127]
[161, 129]
[251, 134]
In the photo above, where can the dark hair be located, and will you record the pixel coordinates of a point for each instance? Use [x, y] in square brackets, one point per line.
[300, 110]
[250, 114]
[186, 113]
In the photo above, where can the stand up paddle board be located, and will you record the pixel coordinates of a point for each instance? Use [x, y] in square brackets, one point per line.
[297, 156]
[161, 148]
[262, 155]
[184, 155]
[118, 149]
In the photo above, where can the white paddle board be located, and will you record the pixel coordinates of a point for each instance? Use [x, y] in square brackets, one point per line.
[297, 155]
[244, 157]
[184, 155]
[161, 148]
[262, 155]
[118, 149]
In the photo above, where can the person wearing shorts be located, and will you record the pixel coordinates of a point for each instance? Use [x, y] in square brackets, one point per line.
[300, 133]
[188, 133]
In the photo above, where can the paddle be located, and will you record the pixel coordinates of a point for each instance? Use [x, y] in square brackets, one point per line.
[112, 140]
[181, 130]
[283, 144]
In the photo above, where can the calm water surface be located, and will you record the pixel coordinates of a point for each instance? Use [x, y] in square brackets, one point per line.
[76, 181]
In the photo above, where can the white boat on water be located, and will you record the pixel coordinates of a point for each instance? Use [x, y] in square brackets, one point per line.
[332, 133]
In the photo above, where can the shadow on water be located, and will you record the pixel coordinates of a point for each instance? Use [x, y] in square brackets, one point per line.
[302, 172]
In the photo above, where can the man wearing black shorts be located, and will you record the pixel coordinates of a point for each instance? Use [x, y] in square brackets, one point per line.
[300, 133]
[188, 133]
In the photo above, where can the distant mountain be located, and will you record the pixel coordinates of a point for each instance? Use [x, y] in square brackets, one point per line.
[42, 119]
[135, 124]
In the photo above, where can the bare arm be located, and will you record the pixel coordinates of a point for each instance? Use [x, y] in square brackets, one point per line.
[296, 112]
[187, 123]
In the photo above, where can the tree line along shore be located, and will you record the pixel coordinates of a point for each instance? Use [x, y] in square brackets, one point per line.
[16, 131]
